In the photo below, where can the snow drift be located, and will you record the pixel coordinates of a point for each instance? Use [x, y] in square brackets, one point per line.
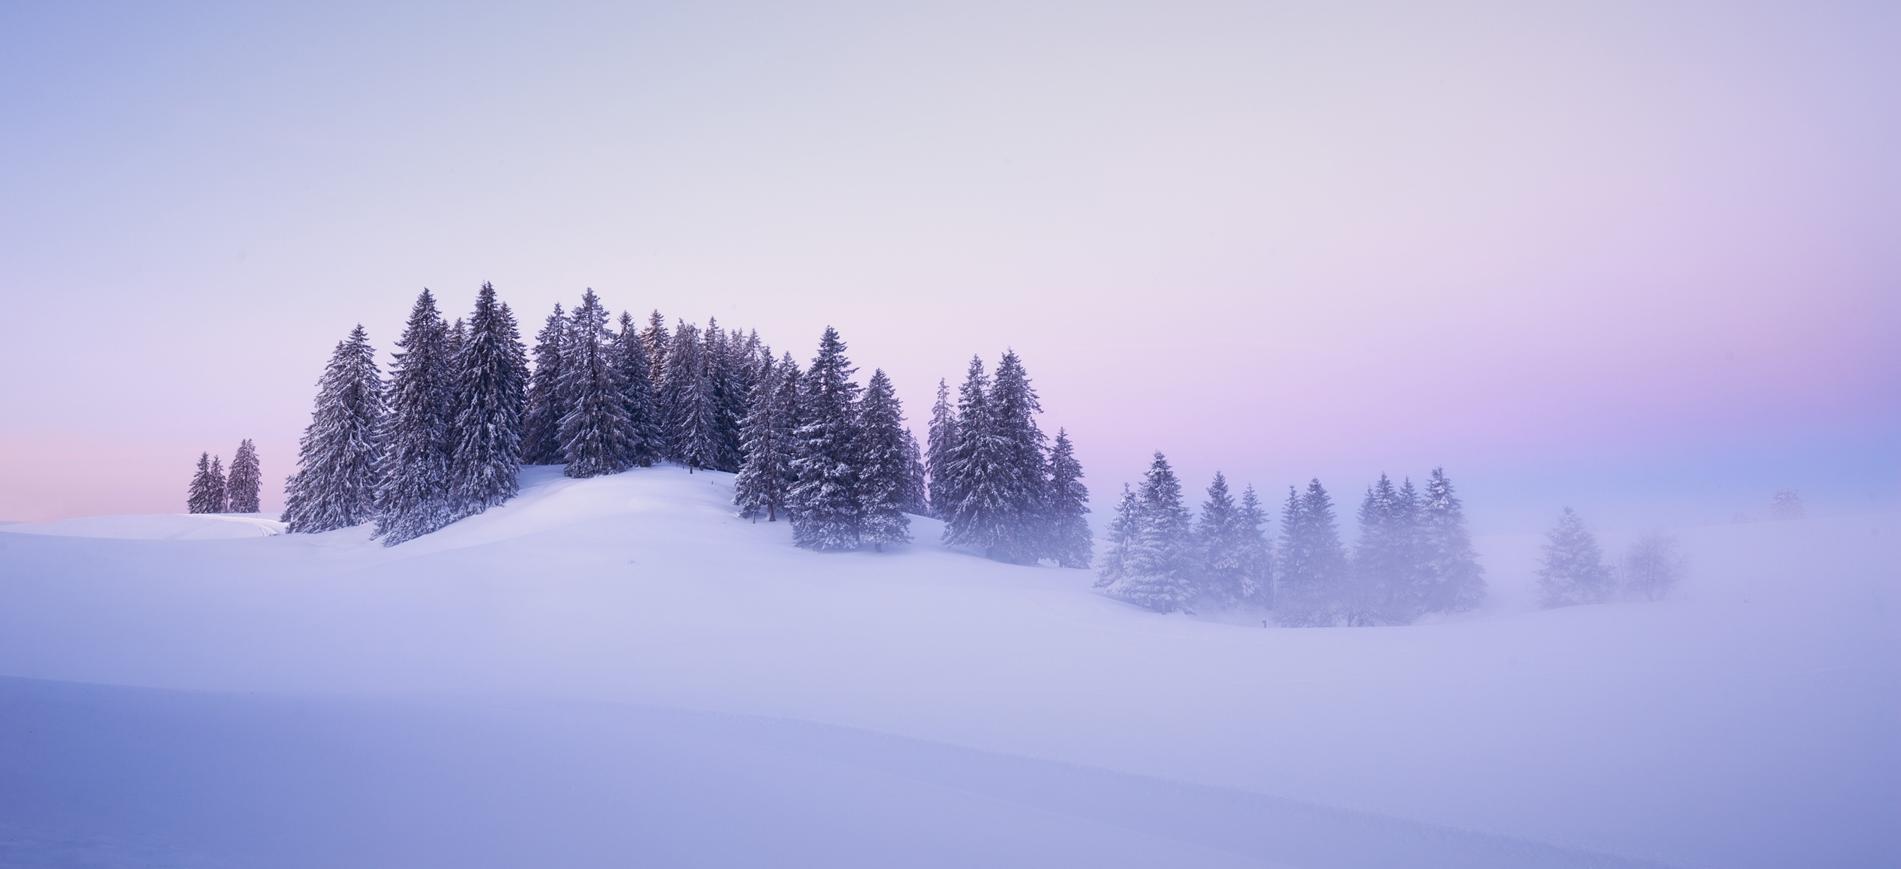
[617, 671]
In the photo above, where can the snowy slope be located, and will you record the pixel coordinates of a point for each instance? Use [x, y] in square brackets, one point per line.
[163, 526]
[600, 654]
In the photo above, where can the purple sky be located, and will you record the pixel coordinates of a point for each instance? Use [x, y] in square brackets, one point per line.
[1640, 258]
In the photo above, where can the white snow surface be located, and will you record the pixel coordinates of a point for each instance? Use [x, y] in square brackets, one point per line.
[617, 672]
[160, 526]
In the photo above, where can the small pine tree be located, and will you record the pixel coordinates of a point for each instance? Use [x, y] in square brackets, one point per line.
[1122, 534]
[1159, 571]
[1446, 576]
[1219, 545]
[242, 485]
[1653, 566]
[940, 441]
[198, 497]
[1374, 595]
[541, 426]
[824, 499]
[917, 499]
[338, 458]
[1257, 558]
[1313, 568]
[413, 497]
[220, 499]
[1573, 571]
[596, 435]
[491, 383]
[1070, 542]
[883, 465]
[764, 481]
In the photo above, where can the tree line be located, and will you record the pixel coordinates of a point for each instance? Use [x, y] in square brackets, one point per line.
[212, 491]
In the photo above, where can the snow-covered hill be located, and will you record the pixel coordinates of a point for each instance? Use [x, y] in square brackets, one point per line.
[617, 672]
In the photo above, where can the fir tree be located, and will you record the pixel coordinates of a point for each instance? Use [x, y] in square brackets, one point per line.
[338, 458]
[724, 405]
[693, 436]
[824, 499]
[1122, 533]
[630, 356]
[1313, 566]
[1023, 471]
[940, 440]
[198, 498]
[219, 499]
[883, 464]
[1256, 558]
[659, 343]
[1653, 566]
[596, 435]
[1219, 546]
[1573, 571]
[1158, 573]
[764, 481]
[916, 491]
[241, 487]
[541, 426]
[491, 382]
[1447, 576]
[413, 497]
[1375, 594]
[1069, 541]
[978, 472]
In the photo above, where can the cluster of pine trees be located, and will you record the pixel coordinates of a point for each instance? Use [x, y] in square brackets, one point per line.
[212, 491]
[1001, 487]
[1573, 570]
[1414, 555]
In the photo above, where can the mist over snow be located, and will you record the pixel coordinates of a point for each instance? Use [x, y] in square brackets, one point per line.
[619, 671]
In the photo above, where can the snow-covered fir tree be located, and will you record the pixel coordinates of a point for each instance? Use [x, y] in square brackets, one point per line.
[241, 486]
[1011, 421]
[1573, 570]
[1447, 577]
[596, 435]
[1312, 574]
[220, 499]
[338, 458]
[491, 383]
[412, 499]
[763, 483]
[917, 497]
[940, 439]
[658, 343]
[636, 379]
[541, 426]
[1219, 548]
[694, 434]
[1159, 570]
[976, 472]
[198, 498]
[1068, 539]
[824, 499]
[720, 355]
[1256, 558]
[1122, 532]
[1376, 590]
[883, 465]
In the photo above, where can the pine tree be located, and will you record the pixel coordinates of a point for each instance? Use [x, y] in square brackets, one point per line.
[596, 435]
[1257, 559]
[541, 426]
[412, 499]
[659, 343]
[1122, 534]
[724, 407]
[824, 499]
[1447, 576]
[491, 383]
[1313, 568]
[1375, 593]
[764, 481]
[242, 485]
[981, 516]
[916, 490]
[1653, 566]
[1573, 571]
[940, 441]
[693, 434]
[630, 357]
[1159, 571]
[883, 465]
[338, 458]
[1219, 548]
[1069, 541]
[1011, 422]
[219, 499]
[198, 497]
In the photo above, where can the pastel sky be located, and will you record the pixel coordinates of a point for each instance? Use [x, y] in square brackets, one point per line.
[1642, 258]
